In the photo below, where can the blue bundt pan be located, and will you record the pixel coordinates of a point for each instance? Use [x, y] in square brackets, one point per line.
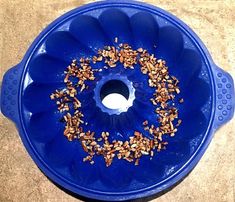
[208, 92]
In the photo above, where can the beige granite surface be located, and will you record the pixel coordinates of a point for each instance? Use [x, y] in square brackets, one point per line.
[213, 179]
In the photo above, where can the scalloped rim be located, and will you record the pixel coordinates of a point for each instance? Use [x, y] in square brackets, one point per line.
[117, 196]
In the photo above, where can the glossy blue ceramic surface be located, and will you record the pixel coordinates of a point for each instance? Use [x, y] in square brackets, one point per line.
[208, 92]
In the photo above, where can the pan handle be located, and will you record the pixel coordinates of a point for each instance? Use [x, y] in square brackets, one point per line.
[225, 97]
[9, 98]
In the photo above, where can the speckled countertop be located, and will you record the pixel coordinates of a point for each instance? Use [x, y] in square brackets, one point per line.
[213, 179]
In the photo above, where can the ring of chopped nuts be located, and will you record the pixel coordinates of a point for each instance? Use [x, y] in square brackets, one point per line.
[165, 85]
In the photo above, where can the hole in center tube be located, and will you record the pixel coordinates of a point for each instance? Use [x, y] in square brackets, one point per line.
[114, 94]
